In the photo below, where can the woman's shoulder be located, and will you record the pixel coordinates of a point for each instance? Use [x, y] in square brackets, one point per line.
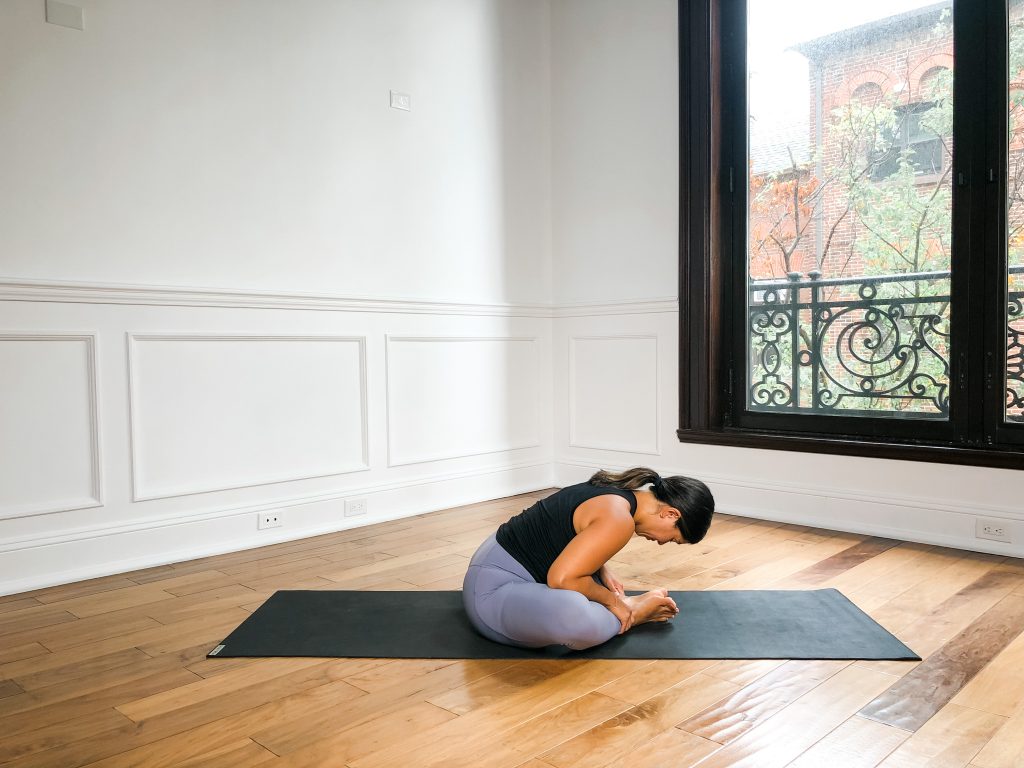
[615, 497]
[604, 507]
[587, 489]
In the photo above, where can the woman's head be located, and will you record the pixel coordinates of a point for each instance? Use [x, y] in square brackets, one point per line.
[691, 497]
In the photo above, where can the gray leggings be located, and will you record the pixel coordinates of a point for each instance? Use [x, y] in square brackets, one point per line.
[507, 606]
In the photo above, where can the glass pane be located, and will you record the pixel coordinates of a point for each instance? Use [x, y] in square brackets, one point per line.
[1015, 221]
[849, 217]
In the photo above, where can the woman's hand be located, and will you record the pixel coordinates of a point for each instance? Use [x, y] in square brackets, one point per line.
[611, 582]
[624, 613]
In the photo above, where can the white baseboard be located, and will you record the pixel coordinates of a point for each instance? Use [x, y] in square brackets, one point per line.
[39, 562]
[927, 521]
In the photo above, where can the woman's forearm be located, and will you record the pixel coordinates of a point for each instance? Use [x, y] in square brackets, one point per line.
[591, 589]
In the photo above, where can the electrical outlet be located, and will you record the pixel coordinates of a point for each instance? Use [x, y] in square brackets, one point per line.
[995, 530]
[268, 520]
[355, 507]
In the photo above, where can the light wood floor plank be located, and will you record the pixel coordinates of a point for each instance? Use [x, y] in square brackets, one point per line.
[66, 731]
[786, 735]
[636, 726]
[654, 679]
[16, 603]
[9, 688]
[929, 633]
[9, 654]
[671, 747]
[951, 739]
[81, 589]
[730, 718]
[494, 688]
[49, 707]
[857, 743]
[549, 730]
[912, 701]
[243, 754]
[173, 733]
[88, 669]
[999, 687]
[28, 619]
[439, 746]
[743, 672]
[1006, 747]
[285, 738]
[374, 736]
[860, 552]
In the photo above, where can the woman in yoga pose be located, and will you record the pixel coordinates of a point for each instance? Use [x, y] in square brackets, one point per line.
[543, 579]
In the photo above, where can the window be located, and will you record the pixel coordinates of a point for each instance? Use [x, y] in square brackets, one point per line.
[911, 141]
[840, 264]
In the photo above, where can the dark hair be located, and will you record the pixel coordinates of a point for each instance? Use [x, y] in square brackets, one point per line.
[690, 496]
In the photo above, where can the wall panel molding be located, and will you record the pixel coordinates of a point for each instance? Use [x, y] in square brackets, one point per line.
[156, 295]
[139, 493]
[533, 441]
[95, 499]
[631, 307]
[574, 441]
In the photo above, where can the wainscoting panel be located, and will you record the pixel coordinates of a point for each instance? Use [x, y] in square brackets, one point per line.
[212, 413]
[450, 397]
[613, 393]
[49, 434]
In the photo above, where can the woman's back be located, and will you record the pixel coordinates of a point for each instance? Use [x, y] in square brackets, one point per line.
[537, 536]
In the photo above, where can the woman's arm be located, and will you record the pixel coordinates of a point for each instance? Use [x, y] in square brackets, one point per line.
[605, 531]
[611, 581]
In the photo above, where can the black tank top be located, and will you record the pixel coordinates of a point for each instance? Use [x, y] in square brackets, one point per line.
[536, 536]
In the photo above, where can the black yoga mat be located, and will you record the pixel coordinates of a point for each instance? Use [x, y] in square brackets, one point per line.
[742, 624]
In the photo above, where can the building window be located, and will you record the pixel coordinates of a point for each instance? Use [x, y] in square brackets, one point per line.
[908, 141]
[837, 259]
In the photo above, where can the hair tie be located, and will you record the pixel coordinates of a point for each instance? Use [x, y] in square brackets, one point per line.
[656, 482]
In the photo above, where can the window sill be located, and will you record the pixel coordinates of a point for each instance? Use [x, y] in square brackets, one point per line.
[992, 456]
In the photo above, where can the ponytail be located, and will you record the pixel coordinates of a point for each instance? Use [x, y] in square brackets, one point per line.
[690, 496]
[629, 480]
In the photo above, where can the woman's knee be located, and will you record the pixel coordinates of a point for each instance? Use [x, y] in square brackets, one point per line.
[584, 624]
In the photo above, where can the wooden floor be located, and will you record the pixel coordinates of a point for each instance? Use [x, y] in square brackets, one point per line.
[112, 672]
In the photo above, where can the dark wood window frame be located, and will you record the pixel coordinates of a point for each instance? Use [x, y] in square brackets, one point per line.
[711, 45]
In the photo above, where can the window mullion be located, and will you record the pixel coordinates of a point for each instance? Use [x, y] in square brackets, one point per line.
[972, 195]
[997, 155]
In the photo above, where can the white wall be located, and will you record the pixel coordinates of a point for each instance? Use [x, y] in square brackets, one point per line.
[233, 280]
[249, 144]
[614, 137]
[616, 150]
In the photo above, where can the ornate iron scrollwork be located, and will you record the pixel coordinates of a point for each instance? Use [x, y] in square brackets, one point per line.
[1015, 356]
[871, 346]
[770, 323]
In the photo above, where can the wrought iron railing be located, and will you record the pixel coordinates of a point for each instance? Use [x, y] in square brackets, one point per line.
[871, 345]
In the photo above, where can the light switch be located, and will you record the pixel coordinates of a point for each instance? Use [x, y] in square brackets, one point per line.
[65, 15]
[401, 101]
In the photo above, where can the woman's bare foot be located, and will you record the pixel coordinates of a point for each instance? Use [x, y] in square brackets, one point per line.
[655, 605]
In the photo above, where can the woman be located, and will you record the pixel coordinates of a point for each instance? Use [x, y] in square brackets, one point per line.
[543, 579]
